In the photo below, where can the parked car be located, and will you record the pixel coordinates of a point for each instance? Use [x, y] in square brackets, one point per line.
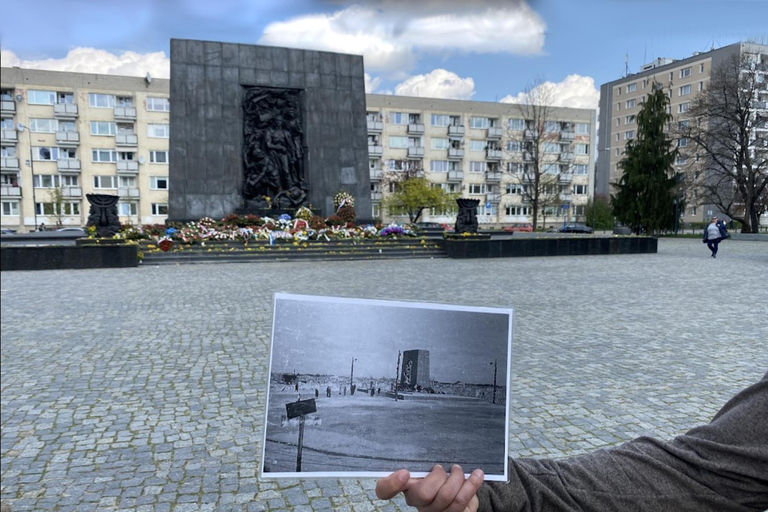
[575, 228]
[526, 227]
[8, 231]
[79, 231]
[620, 229]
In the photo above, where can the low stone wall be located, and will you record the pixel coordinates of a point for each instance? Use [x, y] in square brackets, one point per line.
[561, 246]
[55, 257]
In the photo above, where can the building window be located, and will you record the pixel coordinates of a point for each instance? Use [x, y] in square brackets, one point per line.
[101, 100]
[104, 155]
[158, 157]
[514, 167]
[551, 147]
[438, 143]
[478, 166]
[582, 128]
[159, 209]
[439, 166]
[683, 107]
[398, 142]
[10, 208]
[109, 182]
[685, 72]
[68, 180]
[516, 211]
[514, 146]
[45, 153]
[579, 190]
[477, 145]
[159, 131]
[617, 137]
[629, 135]
[67, 208]
[126, 209]
[629, 119]
[701, 86]
[158, 182]
[126, 181]
[632, 87]
[580, 169]
[46, 180]
[681, 160]
[681, 143]
[477, 188]
[158, 104]
[684, 90]
[551, 126]
[479, 122]
[516, 124]
[440, 120]
[631, 103]
[41, 97]
[42, 125]
[617, 152]
[582, 149]
[103, 128]
[398, 118]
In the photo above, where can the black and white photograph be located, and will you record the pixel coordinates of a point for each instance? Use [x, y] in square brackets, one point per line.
[362, 387]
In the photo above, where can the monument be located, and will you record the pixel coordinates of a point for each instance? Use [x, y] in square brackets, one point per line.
[264, 129]
[415, 371]
[103, 214]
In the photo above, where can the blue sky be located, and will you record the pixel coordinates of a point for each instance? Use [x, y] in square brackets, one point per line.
[487, 50]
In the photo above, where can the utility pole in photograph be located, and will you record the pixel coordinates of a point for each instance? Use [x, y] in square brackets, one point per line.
[494, 363]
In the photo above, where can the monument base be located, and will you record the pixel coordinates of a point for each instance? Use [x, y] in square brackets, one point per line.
[270, 212]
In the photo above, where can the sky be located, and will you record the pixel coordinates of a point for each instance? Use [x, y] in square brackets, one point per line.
[484, 50]
[322, 336]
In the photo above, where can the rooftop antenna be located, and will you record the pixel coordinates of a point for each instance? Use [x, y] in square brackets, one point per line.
[626, 64]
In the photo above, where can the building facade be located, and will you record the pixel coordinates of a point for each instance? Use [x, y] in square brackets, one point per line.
[622, 99]
[65, 135]
[478, 150]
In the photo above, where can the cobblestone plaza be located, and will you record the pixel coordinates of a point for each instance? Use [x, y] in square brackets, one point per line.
[144, 389]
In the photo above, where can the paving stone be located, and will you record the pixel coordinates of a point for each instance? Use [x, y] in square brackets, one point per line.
[144, 389]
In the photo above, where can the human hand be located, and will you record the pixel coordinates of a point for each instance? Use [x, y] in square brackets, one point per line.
[437, 492]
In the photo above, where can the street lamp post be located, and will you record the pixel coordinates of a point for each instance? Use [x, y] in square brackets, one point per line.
[495, 365]
[352, 373]
[31, 170]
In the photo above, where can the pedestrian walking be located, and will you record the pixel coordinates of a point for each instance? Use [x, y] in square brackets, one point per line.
[714, 233]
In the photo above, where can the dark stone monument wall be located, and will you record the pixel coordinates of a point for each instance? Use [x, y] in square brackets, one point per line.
[208, 80]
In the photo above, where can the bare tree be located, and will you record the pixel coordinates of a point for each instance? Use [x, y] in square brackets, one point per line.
[411, 193]
[726, 146]
[541, 153]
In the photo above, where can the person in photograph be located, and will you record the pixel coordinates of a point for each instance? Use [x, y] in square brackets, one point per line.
[720, 466]
[714, 233]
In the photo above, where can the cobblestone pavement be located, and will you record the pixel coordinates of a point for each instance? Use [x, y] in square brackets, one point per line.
[144, 389]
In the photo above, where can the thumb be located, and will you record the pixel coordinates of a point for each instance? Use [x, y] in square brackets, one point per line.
[388, 487]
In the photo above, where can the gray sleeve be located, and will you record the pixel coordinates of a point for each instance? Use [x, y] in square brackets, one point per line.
[721, 466]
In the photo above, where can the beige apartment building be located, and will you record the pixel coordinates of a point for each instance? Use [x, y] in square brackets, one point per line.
[622, 99]
[479, 150]
[65, 135]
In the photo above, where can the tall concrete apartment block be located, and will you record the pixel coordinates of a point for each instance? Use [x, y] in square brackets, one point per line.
[476, 149]
[82, 133]
[110, 134]
[621, 100]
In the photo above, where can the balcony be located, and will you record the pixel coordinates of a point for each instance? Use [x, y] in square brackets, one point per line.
[493, 177]
[126, 139]
[8, 108]
[73, 192]
[566, 157]
[527, 156]
[455, 176]
[375, 150]
[564, 196]
[414, 152]
[128, 167]
[455, 153]
[567, 135]
[376, 196]
[10, 163]
[760, 105]
[10, 191]
[416, 129]
[376, 174]
[125, 113]
[529, 134]
[65, 111]
[68, 139]
[455, 131]
[128, 192]
[493, 154]
[69, 165]
[494, 133]
[9, 137]
[375, 126]
[493, 198]
[566, 177]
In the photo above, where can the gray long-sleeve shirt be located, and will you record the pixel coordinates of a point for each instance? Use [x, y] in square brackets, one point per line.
[721, 466]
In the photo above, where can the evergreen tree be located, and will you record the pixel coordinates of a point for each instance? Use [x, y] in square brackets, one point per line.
[645, 195]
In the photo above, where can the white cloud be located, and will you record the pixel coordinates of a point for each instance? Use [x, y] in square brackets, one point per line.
[392, 39]
[92, 60]
[438, 83]
[371, 83]
[575, 92]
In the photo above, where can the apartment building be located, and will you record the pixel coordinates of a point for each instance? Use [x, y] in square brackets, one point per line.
[621, 100]
[70, 134]
[65, 135]
[479, 150]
